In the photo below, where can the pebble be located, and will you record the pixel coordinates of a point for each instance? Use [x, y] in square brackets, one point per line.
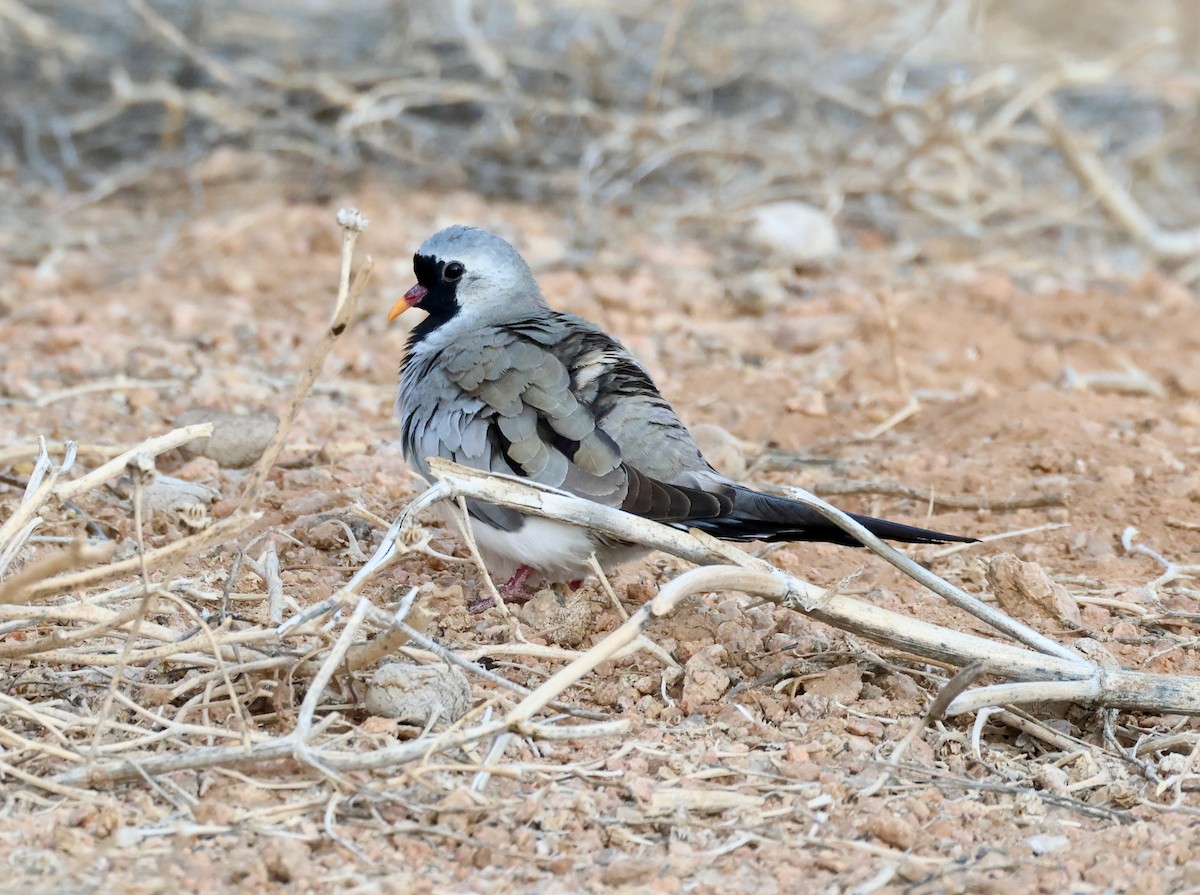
[892, 830]
[842, 683]
[238, 440]
[1024, 590]
[1043, 843]
[418, 693]
[759, 292]
[794, 232]
[704, 678]
[1118, 477]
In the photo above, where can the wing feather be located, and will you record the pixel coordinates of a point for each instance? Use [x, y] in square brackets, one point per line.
[559, 402]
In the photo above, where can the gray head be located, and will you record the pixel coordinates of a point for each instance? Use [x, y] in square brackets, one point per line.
[469, 275]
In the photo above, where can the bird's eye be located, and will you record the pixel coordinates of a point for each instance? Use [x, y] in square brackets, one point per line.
[453, 271]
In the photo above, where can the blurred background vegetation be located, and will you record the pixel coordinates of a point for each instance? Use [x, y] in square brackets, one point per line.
[953, 122]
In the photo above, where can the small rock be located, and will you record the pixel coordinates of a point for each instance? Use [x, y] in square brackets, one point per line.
[892, 830]
[1025, 591]
[540, 609]
[901, 687]
[734, 716]
[1046, 362]
[1043, 843]
[704, 678]
[1188, 414]
[309, 503]
[857, 745]
[794, 232]
[1094, 617]
[331, 531]
[1126, 632]
[758, 292]
[1188, 487]
[200, 469]
[805, 334]
[1099, 653]
[843, 684]
[1187, 380]
[286, 859]
[418, 694]
[238, 440]
[629, 870]
[1118, 477]
[1089, 545]
[1172, 764]
[1051, 778]
[326, 535]
[562, 621]
[809, 403]
[865, 727]
[1122, 794]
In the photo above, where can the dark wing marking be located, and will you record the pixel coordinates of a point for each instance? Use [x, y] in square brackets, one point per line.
[546, 388]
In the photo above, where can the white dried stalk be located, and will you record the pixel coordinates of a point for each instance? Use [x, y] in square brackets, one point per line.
[270, 566]
[151, 447]
[1115, 198]
[1018, 631]
[15, 543]
[352, 222]
[41, 483]
[217, 532]
[1062, 676]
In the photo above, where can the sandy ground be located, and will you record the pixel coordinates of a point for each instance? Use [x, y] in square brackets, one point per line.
[745, 775]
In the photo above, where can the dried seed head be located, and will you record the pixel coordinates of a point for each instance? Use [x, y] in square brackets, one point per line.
[141, 468]
[194, 516]
[352, 219]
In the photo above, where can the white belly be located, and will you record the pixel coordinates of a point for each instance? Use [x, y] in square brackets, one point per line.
[560, 552]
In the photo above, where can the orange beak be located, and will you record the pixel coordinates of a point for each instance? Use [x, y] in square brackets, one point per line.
[411, 299]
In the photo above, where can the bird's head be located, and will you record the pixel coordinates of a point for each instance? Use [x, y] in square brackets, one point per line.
[469, 273]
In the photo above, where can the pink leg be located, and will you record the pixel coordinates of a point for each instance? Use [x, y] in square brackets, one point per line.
[514, 588]
[576, 584]
[513, 591]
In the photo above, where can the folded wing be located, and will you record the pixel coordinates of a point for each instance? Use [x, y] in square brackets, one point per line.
[557, 401]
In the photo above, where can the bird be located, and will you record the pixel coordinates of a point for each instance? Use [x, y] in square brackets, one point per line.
[493, 378]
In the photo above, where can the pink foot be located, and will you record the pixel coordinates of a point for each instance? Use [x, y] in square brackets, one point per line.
[576, 584]
[514, 588]
[513, 591]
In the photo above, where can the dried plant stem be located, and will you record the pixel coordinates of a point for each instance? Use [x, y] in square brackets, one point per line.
[76, 613]
[463, 520]
[130, 768]
[461, 481]
[151, 447]
[349, 291]
[216, 533]
[52, 649]
[955, 596]
[41, 484]
[142, 469]
[937, 709]
[1116, 199]
[1055, 673]
[77, 554]
[172, 35]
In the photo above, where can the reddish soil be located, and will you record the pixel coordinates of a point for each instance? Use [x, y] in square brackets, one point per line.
[745, 776]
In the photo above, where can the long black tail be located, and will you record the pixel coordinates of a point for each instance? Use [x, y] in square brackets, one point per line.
[765, 517]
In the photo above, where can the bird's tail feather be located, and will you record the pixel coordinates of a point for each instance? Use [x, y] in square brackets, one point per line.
[766, 517]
